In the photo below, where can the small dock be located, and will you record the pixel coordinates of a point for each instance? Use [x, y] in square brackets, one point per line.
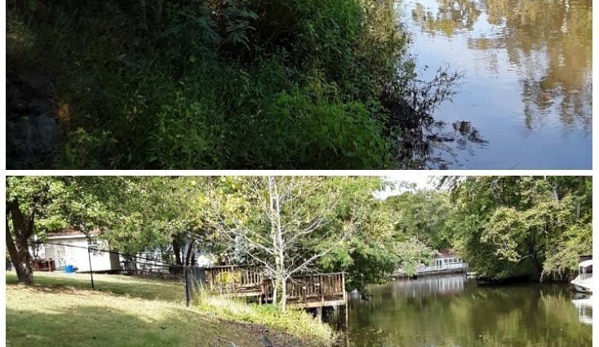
[433, 270]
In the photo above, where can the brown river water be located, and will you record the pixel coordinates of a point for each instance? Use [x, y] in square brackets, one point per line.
[527, 78]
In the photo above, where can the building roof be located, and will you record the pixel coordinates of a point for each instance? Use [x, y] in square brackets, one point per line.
[70, 232]
[446, 253]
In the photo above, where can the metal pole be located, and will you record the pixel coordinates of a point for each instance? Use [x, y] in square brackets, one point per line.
[89, 257]
[186, 287]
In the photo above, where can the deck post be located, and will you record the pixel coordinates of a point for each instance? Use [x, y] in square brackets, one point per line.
[342, 317]
[346, 310]
[319, 313]
[321, 288]
[343, 288]
[344, 307]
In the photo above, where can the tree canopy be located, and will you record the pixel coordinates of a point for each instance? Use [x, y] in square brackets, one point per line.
[502, 226]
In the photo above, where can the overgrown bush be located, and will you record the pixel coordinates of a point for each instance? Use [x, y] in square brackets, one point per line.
[200, 84]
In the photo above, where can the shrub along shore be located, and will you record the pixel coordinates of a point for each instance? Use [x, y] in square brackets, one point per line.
[205, 84]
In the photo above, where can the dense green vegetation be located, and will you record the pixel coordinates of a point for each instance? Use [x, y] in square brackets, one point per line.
[184, 84]
[502, 226]
[536, 226]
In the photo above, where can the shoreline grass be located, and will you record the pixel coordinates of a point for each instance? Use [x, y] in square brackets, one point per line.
[294, 322]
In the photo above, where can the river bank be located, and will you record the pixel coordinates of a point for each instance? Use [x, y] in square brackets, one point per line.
[43, 315]
[211, 85]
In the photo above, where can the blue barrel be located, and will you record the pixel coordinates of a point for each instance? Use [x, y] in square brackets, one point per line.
[69, 269]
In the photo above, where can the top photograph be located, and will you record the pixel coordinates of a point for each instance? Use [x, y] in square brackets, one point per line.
[299, 84]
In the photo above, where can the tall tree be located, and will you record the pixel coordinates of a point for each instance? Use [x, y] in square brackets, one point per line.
[36, 205]
[287, 224]
[513, 225]
[160, 212]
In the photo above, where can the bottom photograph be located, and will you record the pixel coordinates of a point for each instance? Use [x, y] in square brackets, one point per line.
[261, 261]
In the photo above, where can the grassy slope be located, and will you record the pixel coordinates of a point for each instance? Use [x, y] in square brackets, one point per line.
[55, 315]
[144, 288]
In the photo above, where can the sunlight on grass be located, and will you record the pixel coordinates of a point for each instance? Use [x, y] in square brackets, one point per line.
[146, 288]
[294, 322]
[41, 316]
[62, 310]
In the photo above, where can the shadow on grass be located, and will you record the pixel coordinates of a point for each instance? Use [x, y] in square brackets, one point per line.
[144, 288]
[102, 326]
[59, 316]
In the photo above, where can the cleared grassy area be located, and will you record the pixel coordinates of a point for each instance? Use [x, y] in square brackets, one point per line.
[139, 287]
[57, 313]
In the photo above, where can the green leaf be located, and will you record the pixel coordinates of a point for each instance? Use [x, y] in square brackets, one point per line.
[31, 5]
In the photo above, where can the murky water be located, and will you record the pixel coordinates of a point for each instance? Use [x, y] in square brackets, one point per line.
[527, 83]
[451, 311]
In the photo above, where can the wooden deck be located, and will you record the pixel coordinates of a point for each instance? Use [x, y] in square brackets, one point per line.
[306, 291]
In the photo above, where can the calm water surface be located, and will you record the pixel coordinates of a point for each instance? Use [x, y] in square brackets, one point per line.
[527, 84]
[451, 311]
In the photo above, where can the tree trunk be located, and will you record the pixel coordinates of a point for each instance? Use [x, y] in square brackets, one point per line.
[177, 251]
[284, 295]
[189, 252]
[274, 291]
[143, 17]
[158, 4]
[18, 249]
[537, 268]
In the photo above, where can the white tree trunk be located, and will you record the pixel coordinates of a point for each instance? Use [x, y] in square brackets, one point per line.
[284, 295]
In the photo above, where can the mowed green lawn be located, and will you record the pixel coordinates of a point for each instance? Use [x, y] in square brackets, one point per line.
[134, 312]
[145, 288]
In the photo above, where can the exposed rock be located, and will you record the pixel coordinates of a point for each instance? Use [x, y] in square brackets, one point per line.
[266, 341]
[31, 127]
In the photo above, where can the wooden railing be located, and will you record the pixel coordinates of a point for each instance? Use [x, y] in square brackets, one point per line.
[305, 290]
[311, 290]
[238, 280]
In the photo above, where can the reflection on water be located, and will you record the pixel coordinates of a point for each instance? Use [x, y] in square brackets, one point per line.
[584, 304]
[451, 311]
[527, 85]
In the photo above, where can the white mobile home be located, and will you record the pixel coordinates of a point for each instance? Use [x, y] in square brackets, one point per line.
[70, 247]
